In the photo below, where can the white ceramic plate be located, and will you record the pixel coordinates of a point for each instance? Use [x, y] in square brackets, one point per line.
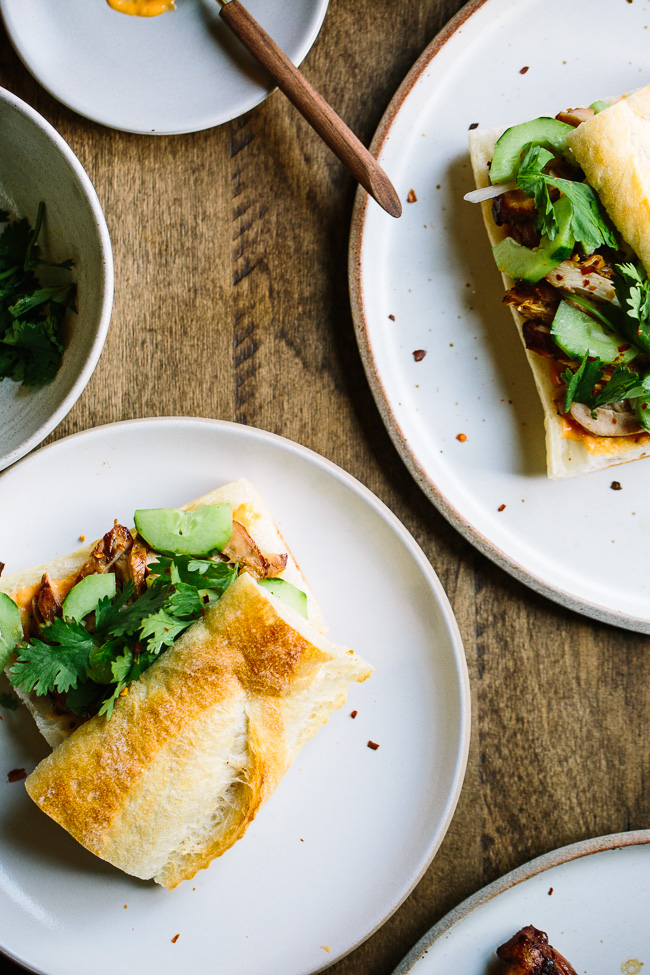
[350, 830]
[179, 72]
[591, 898]
[433, 271]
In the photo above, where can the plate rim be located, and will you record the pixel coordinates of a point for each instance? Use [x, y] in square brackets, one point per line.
[362, 327]
[215, 120]
[555, 858]
[435, 586]
[107, 283]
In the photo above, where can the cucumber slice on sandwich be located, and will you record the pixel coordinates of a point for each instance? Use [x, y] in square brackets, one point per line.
[178, 532]
[11, 628]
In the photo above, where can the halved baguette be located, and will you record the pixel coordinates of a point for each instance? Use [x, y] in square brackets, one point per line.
[613, 148]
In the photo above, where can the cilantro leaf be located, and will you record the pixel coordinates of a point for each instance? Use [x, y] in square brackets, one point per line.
[119, 617]
[580, 384]
[588, 222]
[633, 293]
[200, 573]
[31, 315]
[184, 601]
[57, 665]
[623, 384]
[161, 630]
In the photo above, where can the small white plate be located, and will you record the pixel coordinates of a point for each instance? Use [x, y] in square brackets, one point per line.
[350, 830]
[592, 899]
[179, 72]
[433, 272]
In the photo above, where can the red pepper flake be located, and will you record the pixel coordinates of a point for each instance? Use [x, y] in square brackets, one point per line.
[125, 906]
[16, 775]
[419, 354]
[392, 318]
[462, 437]
[501, 507]
[175, 938]
[353, 714]
[616, 486]
[474, 125]
[524, 70]
[373, 745]
[82, 538]
[550, 891]
[411, 198]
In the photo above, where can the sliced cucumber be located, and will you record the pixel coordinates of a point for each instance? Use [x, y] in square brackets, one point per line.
[534, 263]
[11, 628]
[289, 594]
[178, 532]
[547, 132]
[599, 106]
[84, 597]
[578, 335]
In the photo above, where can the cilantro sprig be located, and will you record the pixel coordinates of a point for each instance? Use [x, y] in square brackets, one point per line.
[588, 221]
[633, 293]
[93, 668]
[623, 383]
[31, 315]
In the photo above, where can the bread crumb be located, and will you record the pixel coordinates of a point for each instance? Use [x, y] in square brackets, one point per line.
[392, 318]
[462, 437]
[616, 486]
[501, 507]
[524, 70]
[373, 745]
[175, 938]
[125, 906]
[411, 198]
[82, 538]
[419, 354]
[353, 714]
[327, 949]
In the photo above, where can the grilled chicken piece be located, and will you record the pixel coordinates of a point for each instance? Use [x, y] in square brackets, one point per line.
[534, 300]
[538, 338]
[529, 953]
[575, 116]
[45, 606]
[116, 543]
[242, 549]
[136, 566]
[577, 278]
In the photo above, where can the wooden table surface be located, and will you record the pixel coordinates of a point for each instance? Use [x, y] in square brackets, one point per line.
[230, 254]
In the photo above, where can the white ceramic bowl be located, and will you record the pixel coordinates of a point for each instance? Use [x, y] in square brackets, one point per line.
[36, 164]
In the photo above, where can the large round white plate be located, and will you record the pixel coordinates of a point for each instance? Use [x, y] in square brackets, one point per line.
[591, 898]
[433, 272]
[179, 72]
[349, 830]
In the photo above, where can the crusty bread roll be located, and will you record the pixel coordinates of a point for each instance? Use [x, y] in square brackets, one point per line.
[565, 456]
[201, 739]
[248, 508]
[613, 149]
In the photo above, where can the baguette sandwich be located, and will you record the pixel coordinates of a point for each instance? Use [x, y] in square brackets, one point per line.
[177, 670]
[566, 203]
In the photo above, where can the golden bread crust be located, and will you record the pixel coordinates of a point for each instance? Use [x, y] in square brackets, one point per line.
[613, 149]
[200, 741]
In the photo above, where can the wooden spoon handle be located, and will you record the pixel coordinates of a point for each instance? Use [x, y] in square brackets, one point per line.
[330, 127]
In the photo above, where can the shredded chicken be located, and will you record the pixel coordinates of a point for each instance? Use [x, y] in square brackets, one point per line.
[534, 300]
[538, 338]
[529, 953]
[115, 544]
[242, 549]
[578, 278]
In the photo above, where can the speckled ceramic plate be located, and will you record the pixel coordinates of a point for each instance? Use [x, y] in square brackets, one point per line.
[350, 830]
[179, 72]
[591, 898]
[427, 284]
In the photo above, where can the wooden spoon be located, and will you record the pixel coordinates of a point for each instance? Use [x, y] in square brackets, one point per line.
[329, 126]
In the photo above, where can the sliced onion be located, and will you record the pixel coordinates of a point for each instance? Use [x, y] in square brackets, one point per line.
[488, 192]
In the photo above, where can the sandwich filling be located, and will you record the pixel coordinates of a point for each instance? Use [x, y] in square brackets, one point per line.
[583, 293]
[80, 641]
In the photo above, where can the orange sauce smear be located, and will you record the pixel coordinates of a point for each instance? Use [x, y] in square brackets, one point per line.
[142, 8]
